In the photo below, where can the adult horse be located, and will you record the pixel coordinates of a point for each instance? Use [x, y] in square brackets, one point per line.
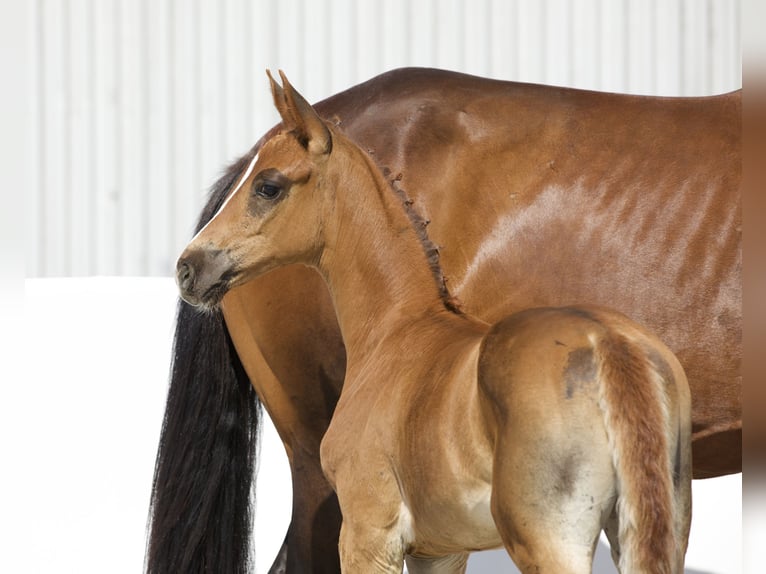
[453, 435]
[547, 195]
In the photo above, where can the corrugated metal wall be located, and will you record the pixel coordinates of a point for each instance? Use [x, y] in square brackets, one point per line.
[137, 104]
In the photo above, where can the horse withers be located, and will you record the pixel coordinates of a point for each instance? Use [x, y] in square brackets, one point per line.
[453, 435]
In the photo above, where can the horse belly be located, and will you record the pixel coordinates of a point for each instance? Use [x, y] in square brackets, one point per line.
[454, 520]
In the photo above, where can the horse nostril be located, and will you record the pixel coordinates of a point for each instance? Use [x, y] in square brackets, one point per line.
[184, 276]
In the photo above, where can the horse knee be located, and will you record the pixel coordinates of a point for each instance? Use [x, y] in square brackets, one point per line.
[365, 548]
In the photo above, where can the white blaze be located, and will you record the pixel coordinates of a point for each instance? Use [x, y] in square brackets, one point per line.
[242, 181]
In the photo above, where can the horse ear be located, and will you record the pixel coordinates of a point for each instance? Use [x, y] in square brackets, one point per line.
[298, 115]
[279, 102]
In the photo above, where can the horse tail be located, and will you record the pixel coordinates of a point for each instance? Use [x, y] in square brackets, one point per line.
[200, 517]
[640, 431]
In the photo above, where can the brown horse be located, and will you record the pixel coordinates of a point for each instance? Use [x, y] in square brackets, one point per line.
[624, 201]
[452, 435]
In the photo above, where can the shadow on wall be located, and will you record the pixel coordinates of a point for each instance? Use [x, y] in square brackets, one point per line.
[498, 561]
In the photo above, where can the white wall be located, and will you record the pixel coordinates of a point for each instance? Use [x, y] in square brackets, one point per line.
[136, 105]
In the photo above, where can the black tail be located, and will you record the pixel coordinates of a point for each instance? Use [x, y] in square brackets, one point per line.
[200, 515]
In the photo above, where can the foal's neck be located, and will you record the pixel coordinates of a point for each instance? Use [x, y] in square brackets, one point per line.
[374, 260]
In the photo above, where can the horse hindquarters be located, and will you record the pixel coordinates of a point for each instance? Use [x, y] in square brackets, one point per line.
[576, 413]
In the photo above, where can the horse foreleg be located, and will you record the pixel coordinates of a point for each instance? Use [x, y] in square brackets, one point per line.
[452, 564]
[367, 549]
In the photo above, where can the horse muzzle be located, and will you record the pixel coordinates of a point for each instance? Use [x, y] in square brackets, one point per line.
[204, 276]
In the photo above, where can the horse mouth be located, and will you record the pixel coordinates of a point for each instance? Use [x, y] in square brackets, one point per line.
[211, 298]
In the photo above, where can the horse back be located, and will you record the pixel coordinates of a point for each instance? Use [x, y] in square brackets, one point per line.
[555, 196]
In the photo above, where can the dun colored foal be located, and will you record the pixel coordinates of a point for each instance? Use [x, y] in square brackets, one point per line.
[452, 435]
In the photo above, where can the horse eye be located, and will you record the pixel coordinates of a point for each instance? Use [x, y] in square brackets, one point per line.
[268, 190]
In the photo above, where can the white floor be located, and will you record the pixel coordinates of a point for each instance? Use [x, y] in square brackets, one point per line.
[82, 408]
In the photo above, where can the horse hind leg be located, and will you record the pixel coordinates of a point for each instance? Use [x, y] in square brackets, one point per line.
[551, 552]
[549, 509]
[452, 564]
[612, 531]
[552, 486]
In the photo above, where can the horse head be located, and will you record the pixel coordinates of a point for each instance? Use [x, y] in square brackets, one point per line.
[270, 218]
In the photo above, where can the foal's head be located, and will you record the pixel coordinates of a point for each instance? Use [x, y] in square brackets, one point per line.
[273, 214]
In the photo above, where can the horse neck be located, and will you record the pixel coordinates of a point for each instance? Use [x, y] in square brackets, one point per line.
[374, 260]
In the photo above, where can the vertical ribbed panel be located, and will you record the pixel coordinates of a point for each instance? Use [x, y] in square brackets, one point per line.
[138, 104]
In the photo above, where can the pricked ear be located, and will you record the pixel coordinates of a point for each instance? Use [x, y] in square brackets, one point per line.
[278, 94]
[298, 116]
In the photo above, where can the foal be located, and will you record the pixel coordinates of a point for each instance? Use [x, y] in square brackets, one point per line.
[451, 435]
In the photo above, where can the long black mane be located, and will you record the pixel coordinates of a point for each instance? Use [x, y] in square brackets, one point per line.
[201, 507]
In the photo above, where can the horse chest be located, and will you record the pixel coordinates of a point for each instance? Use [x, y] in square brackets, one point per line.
[438, 498]
[411, 450]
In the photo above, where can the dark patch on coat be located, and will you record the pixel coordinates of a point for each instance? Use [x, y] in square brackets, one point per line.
[661, 366]
[567, 476]
[580, 370]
